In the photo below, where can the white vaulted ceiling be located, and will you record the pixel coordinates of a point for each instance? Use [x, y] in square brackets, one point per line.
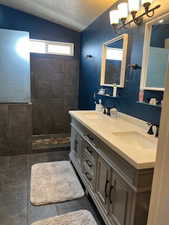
[75, 14]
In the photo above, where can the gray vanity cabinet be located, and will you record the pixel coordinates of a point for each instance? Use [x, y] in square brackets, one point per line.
[103, 177]
[120, 191]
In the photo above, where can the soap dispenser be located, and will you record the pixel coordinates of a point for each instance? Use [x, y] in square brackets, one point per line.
[99, 107]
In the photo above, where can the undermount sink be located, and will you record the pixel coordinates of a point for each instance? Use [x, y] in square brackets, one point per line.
[135, 139]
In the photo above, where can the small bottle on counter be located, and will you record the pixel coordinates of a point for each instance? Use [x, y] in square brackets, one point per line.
[114, 113]
[153, 101]
[141, 96]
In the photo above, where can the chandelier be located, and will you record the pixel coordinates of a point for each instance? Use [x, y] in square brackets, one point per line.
[119, 17]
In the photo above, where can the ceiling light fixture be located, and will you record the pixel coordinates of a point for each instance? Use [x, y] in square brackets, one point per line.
[119, 16]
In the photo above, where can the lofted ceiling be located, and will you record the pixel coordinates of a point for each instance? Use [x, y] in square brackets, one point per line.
[74, 14]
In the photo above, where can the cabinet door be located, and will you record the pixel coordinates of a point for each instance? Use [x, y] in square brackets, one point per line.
[76, 144]
[73, 139]
[103, 183]
[119, 197]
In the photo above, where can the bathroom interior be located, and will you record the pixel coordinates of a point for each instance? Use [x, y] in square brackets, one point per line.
[83, 107]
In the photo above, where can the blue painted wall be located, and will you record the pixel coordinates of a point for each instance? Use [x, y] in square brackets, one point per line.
[91, 44]
[38, 28]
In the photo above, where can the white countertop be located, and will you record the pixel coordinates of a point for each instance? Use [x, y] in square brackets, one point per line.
[125, 135]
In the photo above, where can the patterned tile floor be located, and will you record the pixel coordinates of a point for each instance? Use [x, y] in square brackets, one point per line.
[15, 206]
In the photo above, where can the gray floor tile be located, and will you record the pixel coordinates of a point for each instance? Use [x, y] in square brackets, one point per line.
[78, 204]
[15, 206]
[48, 157]
[36, 213]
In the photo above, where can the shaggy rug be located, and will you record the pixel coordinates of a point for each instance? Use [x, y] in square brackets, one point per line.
[54, 182]
[81, 217]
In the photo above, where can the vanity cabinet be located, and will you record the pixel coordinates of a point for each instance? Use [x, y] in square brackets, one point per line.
[120, 191]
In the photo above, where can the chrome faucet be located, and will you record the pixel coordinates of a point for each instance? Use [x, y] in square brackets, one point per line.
[151, 131]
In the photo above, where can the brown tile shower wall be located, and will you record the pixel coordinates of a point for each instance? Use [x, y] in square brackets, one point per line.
[15, 129]
[54, 90]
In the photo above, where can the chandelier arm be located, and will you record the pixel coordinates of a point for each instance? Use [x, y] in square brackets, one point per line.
[116, 29]
[150, 15]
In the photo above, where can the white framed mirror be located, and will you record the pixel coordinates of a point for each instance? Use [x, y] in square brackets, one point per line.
[155, 54]
[114, 56]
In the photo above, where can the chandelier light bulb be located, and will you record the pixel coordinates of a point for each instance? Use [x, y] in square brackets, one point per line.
[134, 5]
[114, 17]
[123, 10]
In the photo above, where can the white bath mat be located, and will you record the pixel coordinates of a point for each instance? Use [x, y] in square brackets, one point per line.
[81, 217]
[54, 182]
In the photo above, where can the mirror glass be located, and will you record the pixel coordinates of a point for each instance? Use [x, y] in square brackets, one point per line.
[114, 56]
[156, 66]
[114, 61]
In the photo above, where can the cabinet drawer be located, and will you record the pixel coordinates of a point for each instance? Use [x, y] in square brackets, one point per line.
[90, 179]
[89, 152]
[89, 171]
[89, 166]
[88, 176]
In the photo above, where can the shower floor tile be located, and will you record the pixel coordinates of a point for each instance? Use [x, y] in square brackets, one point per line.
[51, 141]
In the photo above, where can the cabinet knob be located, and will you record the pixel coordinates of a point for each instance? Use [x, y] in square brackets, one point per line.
[89, 163]
[88, 176]
[90, 138]
[89, 150]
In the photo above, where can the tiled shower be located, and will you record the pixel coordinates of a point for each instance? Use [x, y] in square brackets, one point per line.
[54, 91]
